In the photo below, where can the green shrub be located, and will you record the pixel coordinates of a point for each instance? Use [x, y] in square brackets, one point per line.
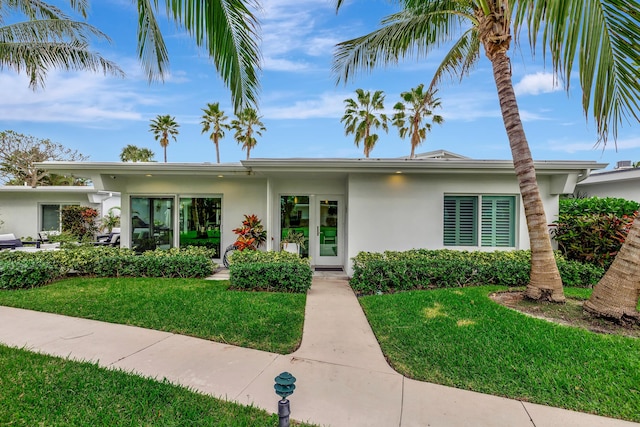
[104, 261]
[27, 273]
[593, 230]
[79, 221]
[269, 271]
[422, 269]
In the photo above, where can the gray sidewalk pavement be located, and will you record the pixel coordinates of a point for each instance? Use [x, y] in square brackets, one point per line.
[342, 377]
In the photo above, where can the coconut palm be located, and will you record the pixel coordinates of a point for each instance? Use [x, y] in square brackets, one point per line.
[214, 120]
[48, 39]
[227, 29]
[361, 114]
[132, 153]
[420, 106]
[163, 127]
[247, 124]
[593, 34]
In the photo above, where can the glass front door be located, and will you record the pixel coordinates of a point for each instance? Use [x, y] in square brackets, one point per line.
[151, 223]
[317, 220]
[328, 231]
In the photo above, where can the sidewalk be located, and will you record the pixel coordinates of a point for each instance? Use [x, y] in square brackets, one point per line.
[342, 376]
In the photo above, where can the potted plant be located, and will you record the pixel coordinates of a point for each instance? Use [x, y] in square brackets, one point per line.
[293, 242]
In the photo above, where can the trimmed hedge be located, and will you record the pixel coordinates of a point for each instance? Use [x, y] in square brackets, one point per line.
[424, 269]
[27, 273]
[104, 262]
[269, 271]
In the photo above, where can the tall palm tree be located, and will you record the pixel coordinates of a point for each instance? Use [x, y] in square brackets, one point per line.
[227, 29]
[214, 120]
[247, 124]
[594, 34]
[163, 127]
[48, 39]
[132, 153]
[420, 106]
[361, 115]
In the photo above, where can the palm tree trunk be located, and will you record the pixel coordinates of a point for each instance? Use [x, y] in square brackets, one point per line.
[165, 154]
[217, 152]
[616, 295]
[248, 151]
[545, 282]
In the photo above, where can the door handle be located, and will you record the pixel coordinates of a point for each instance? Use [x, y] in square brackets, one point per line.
[318, 230]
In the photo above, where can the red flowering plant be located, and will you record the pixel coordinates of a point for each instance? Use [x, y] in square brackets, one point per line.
[251, 235]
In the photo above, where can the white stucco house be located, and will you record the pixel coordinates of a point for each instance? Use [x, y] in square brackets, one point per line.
[25, 211]
[622, 182]
[342, 206]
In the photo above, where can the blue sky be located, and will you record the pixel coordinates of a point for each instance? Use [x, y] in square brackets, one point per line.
[300, 103]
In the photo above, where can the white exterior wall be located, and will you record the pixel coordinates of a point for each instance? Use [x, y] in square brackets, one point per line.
[629, 190]
[404, 211]
[20, 211]
[240, 196]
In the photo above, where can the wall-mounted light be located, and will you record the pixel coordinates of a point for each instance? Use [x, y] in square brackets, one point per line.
[148, 174]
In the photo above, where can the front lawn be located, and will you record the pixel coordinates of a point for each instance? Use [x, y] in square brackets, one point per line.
[460, 337]
[50, 391]
[200, 308]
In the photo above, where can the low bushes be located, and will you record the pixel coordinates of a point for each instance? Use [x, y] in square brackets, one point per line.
[27, 273]
[421, 269]
[269, 271]
[101, 262]
[592, 230]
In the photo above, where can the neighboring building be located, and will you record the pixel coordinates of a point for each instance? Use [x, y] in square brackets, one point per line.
[622, 182]
[26, 211]
[343, 206]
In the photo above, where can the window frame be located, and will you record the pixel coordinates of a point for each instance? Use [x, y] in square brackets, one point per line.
[483, 235]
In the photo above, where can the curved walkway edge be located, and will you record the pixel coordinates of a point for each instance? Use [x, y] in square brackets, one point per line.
[342, 377]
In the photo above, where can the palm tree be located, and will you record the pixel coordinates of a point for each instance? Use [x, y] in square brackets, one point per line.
[163, 127]
[225, 28]
[360, 116]
[420, 105]
[48, 39]
[132, 153]
[594, 34]
[214, 120]
[246, 126]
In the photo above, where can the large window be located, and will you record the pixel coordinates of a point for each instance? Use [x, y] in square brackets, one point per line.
[51, 217]
[151, 223]
[493, 224]
[294, 217]
[200, 221]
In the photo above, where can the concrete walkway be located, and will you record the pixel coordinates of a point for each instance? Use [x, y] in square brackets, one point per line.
[342, 376]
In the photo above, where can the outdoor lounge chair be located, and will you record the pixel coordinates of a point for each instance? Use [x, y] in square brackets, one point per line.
[9, 241]
[111, 239]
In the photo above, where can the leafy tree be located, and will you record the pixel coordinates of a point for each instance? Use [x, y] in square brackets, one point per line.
[413, 111]
[215, 121]
[48, 39]
[163, 127]
[361, 115]
[19, 154]
[595, 35]
[132, 153]
[247, 124]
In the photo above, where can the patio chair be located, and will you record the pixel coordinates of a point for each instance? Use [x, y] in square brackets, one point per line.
[9, 241]
[111, 239]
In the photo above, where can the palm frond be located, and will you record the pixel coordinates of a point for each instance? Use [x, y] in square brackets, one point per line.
[230, 33]
[152, 50]
[601, 38]
[413, 32]
[460, 59]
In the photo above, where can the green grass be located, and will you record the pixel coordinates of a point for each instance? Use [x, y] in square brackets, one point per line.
[460, 338]
[49, 391]
[200, 308]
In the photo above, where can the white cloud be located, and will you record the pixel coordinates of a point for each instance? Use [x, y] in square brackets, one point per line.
[70, 98]
[535, 84]
[565, 146]
[326, 105]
